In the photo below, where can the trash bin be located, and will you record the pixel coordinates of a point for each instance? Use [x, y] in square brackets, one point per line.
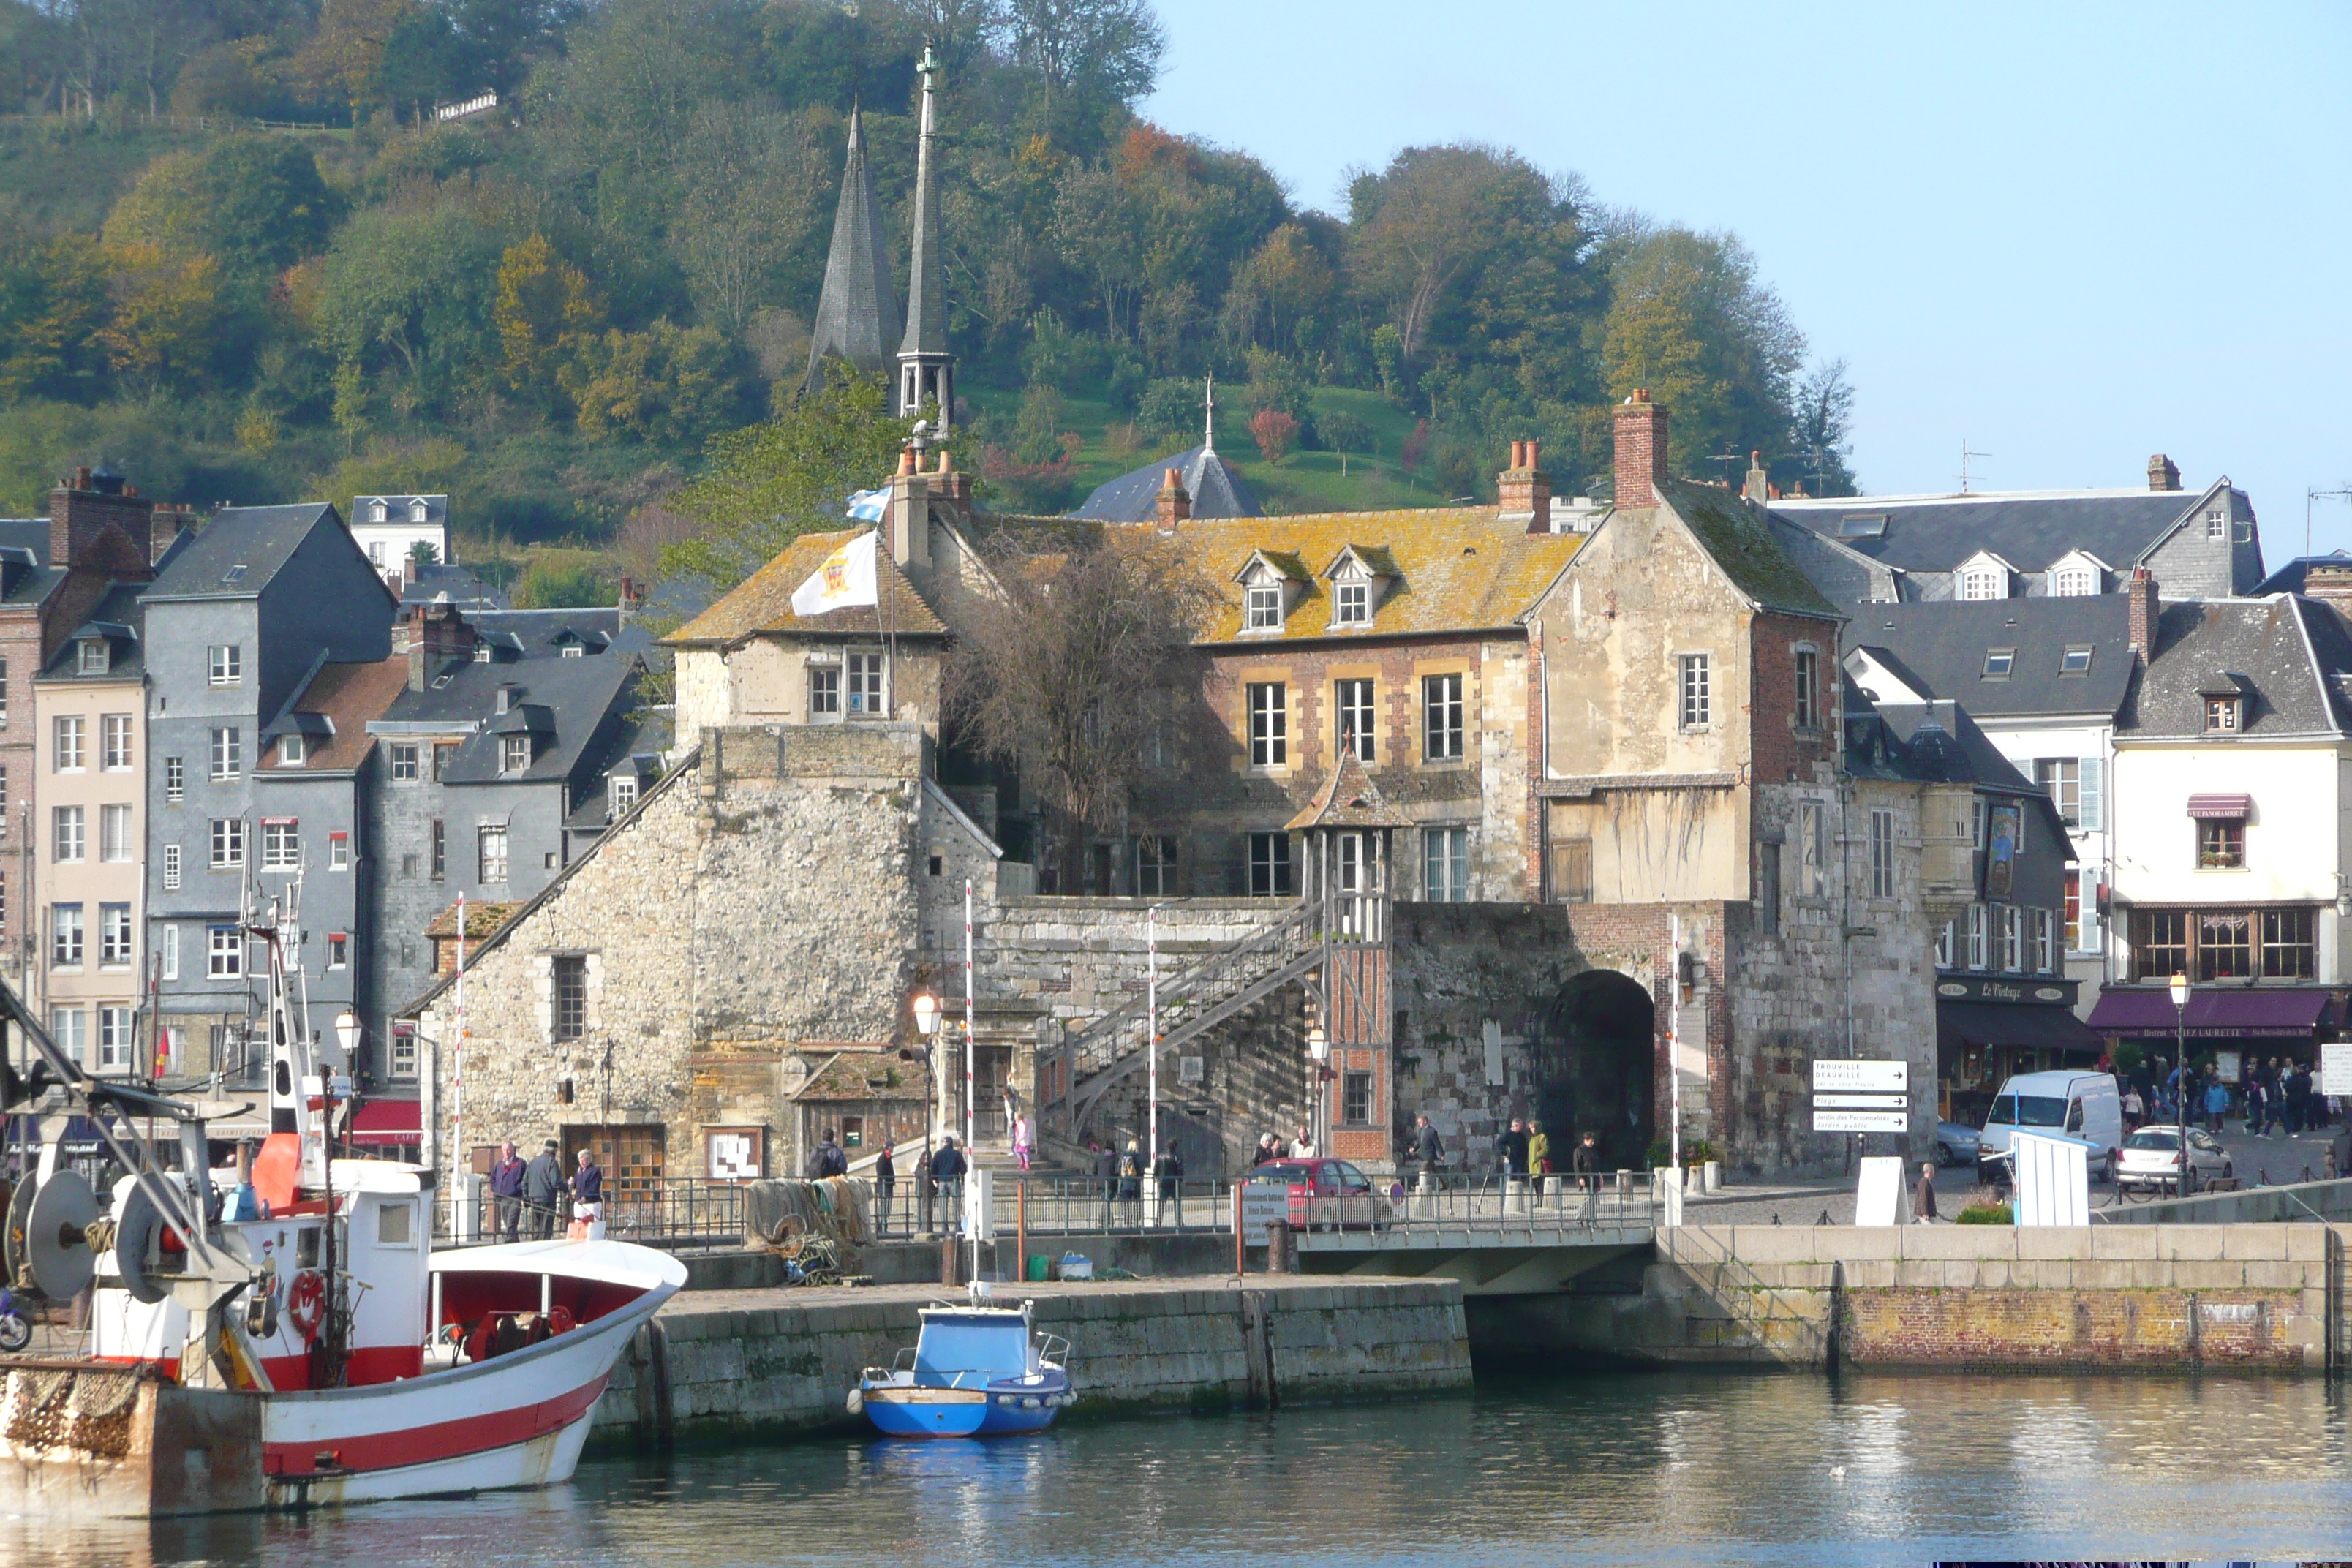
[1038, 1267]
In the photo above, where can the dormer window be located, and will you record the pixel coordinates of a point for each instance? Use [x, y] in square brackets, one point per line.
[418, 512]
[95, 657]
[2074, 582]
[1266, 583]
[292, 751]
[1351, 604]
[573, 650]
[624, 795]
[481, 653]
[1263, 611]
[379, 510]
[514, 753]
[2224, 715]
[1360, 577]
[1984, 583]
[2217, 523]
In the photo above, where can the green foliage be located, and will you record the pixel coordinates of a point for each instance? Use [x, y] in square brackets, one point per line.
[1170, 410]
[2128, 1055]
[546, 586]
[254, 203]
[1987, 1214]
[1344, 433]
[667, 384]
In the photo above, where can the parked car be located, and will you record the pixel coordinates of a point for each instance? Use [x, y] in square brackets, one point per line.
[2082, 1105]
[1956, 1144]
[1321, 1194]
[2151, 1158]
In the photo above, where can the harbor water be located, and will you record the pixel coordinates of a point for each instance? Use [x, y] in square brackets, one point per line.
[1656, 1469]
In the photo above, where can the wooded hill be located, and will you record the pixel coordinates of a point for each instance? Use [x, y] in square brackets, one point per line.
[549, 310]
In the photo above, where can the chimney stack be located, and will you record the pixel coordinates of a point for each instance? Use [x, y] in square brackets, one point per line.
[1174, 502]
[2162, 473]
[82, 508]
[2139, 594]
[1641, 431]
[1759, 480]
[2330, 583]
[434, 633]
[1524, 489]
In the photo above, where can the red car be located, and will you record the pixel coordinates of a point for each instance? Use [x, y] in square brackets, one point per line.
[1313, 1195]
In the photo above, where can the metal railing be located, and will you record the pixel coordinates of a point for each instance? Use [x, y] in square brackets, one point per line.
[1448, 1203]
[672, 1212]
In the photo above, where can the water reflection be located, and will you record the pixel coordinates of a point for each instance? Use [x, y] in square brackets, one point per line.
[1658, 1470]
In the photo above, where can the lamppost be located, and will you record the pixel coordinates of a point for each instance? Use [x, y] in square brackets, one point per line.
[1318, 1048]
[347, 1034]
[2180, 1077]
[927, 1024]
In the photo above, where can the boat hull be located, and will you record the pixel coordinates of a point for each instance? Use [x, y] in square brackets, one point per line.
[1001, 1408]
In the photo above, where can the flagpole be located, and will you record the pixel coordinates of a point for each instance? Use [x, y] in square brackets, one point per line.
[457, 1072]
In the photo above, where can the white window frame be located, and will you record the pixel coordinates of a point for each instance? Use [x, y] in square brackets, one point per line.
[293, 751]
[1351, 604]
[113, 923]
[1882, 853]
[118, 842]
[1978, 951]
[171, 952]
[622, 797]
[227, 834]
[224, 952]
[2217, 522]
[866, 686]
[114, 734]
[339, 851]
[69, 1032]
[1262, 607]
[483, 863]
[225, 665]
[93, 656]
[1268, 704]
[1445, 864]
[1946, 941]
[1356, 716]
[69, 738]
[1442, 717]
[227, 758]
[117, 1028]
[1694, 692]
[407, 757]
[68, 936]
[68, 835]
[282, 846]
[171, 867]
[339, 950]
[514, 753]
[175, 778]
[1805, 677]
[2074, 582]
[825, 690]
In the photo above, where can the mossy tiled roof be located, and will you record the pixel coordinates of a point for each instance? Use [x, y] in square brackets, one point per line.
[764, 602]
[1739, 537]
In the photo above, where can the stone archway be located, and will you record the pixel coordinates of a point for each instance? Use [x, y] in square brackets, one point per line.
[1599, 1069]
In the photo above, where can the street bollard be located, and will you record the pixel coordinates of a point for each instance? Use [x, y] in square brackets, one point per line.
[951, 1261]
[1281, 1247]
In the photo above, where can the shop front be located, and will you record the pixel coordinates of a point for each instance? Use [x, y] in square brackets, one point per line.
[2229, 1023]
[1989, 1029]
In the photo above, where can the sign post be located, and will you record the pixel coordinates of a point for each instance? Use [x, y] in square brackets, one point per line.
[1862, 1096]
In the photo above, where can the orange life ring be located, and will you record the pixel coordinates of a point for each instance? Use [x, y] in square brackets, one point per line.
[305, 1303]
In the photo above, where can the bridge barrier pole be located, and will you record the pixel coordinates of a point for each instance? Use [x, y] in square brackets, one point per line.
[1241, 1236]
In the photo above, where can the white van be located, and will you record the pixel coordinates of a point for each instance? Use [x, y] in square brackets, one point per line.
[2082, 1105]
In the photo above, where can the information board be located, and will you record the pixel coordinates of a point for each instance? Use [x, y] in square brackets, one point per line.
[1862, 1121]
[2336, 1068]
[1884, 1077]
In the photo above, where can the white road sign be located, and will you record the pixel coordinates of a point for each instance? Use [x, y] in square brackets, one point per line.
[1860, 1103]
[1861, 1122]
[2336, 1068]
[1869, 1077]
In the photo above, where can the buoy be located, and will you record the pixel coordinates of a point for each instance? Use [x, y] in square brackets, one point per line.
[857, 1402]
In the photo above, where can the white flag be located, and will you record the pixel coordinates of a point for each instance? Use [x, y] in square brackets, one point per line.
[846, 578]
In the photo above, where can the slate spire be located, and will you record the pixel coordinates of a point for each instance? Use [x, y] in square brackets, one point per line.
[925, 366]
[858, 313]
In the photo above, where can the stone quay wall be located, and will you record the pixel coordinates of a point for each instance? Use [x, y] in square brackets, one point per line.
[717, 1365]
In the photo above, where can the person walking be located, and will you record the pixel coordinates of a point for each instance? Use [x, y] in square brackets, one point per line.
[1586, 1162]
[506, 1192]
[2216, 1104]
[1511, 1155]
[2135, 1109]
[2257, 1096]
[588, 1195]
[2298, 1102]
[543, 1191]
[1923, 1202]
[1538, 1157]
[1022, 1136]
[885, 1182]
[1427, 1152]
[826, 1158]
[1131, 1182]
[1169, 1171]
[926, 1189]
[1106, 1176]
[1265, 1150]
[947, 1167]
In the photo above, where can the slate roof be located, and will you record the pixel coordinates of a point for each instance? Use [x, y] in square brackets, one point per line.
[2283, 651]
[1735, 534]
[27, 534]
[1217, 489]
[1349, 798]
[565, 701]
[396, 510]
[202, 564]
[926, 304]
[345, 696]
[764, 602]
[1937, 743]
[423, 584]
[1939, 649]
[26, 575]
[2287, 579]
[545, 633]
[856, 1074]
[2030, 530]
[857, 310]
[644, 736]
[117, 611]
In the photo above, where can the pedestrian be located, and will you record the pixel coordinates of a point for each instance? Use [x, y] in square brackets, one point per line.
[1021, 1140]
[2257, 1096]
[588, 1195]
[2135, 1109]
[2274, 1101]
[1513, 1148]
[948, 1168]
[1168, 1170]
[1586, 1162]
[1427, 1150]
[826, 1158]
[1107, 1177]
[543, 1191]
[1302, 1146]
[1923, 1205]
[2216, 1104]
[886, 1180]
[2298, 1102]
[1538, 1156]
[506, 1191]
[1265, 1151]
[1131, 1182]
[926, 1189]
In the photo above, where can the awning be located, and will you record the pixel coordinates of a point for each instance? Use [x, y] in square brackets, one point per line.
[1959, 1024]
[2231, 1015]
[388, 1121]
[2231, 807]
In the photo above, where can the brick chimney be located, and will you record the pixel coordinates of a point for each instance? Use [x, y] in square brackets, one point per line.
[434, 633]
[1758, 487]
[165, 525]
[2139, 596]
[2162, 473]
[2330, 583]
[1640, 430]
[1174, 504]
[83, 505]
[1524, 489]
[952, 485]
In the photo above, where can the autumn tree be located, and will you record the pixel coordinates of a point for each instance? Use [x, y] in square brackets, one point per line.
[544, 305]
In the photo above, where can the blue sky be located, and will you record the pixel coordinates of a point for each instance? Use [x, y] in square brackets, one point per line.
[2071, 236]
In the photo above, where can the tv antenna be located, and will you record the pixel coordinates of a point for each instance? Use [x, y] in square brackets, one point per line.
[2343, 492]
[1726, 456]
[1967, 455]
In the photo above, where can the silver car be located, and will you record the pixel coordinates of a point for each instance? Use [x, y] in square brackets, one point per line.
[2151, 1158]
[1956, 1144]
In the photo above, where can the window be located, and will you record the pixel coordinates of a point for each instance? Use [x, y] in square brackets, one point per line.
[339, 851]
[375, 553]
[2224, 944]
[440, 849]
[292, 751]
[114, 1026]
[2074, 582]
[574, 651]
[114, 934]
[623, 795]
[3, 792]
[824, 690]
[2076, 660]
[66, 835]
[444, 752]
[69, 1032]
[1351, 604]
[228, 754]
[1999, 662]
[2159, 943]
[1882, 853]
[514, 753]
[115, 728]
[866, 684]
[339, 950]
[2006, 932]
[403, 1051]
[2287, 948]
[1269, 724]
[570, 1018]
[2216, 524]
[1944, 945]
[1812, 849]
[2060, 779]
[227, 665]
[91, 657]
[2221, 715]
[171, 952]
[1353, 701]
[171, 867]
[4, 690]
[1871, 525]
[1808, 683]
[1269, 865]
[1355, 1100]
[2225, 947]
[1446, 865]
[66, 936]
[228, 842]
[403, 761]
[224, 952]
[1571, 870]
[1697, 700]
[114, 845]
[2038, 956]
[491, 846]
[1155, 865]
[282, 846]
[2221, 844]
[1976, 947]
[1768, 889]
[1983, 582]
[175, 779]
[66, 732]
[1262, 607]
[1441, 718]
[2073, 916]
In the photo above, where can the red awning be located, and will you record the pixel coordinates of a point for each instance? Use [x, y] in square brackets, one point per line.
[2232, 1013]
[382, 1121]
[2235, 807]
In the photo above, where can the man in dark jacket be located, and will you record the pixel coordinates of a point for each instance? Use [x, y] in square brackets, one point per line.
[1426, 1149]
[886, 1181]
[588, 1190]
[506, 1191]
[947, 1167]
[1586, 1163]
[826, 1158]
[1168, 1170]
[1106, 1175]
[543, 1189]
[1513, 1148]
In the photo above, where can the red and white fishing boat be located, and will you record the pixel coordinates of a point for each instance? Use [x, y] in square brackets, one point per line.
[283, 1335]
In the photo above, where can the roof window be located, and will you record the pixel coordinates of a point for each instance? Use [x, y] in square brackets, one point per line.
[233, 576]
[2076, 660]
[1999, 662]
[1866, 525]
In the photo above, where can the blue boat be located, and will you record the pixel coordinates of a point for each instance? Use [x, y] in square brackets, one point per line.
[973, 1371]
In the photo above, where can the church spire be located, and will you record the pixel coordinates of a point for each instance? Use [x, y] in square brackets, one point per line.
[926, 369]
[858, 313]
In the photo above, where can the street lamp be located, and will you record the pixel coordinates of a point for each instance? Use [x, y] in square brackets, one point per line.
[1318, 1048]
[347, 1031]
[927, 1013]
[2181, 1079]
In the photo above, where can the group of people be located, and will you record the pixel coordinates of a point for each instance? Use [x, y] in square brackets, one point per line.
[1275, 1146]
[2275, 1099]
[536, 1192]
[1119, 1176]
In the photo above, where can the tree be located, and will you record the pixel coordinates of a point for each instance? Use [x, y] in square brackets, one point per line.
[1432, 216]
[1110, 47]
[769, 484]
[253, 202]
[667, 384]
[1824, 413]
[52, 303]
[545, 307]
[1344, 433]
[1274, 431]
[413, 291]
[164, 309]
[1082, 661]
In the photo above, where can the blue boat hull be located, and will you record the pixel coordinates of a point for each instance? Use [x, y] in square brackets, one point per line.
[1005, 1407]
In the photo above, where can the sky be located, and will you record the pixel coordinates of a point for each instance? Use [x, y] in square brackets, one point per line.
[2070, 236]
